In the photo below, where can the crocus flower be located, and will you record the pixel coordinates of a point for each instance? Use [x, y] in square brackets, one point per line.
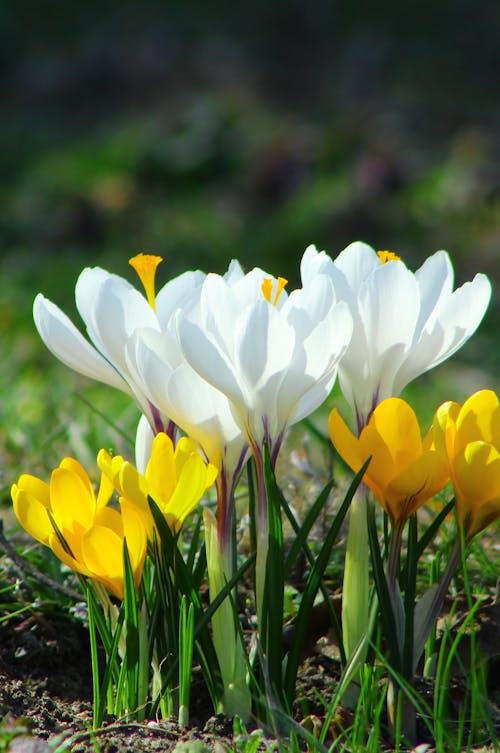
[405, 323]
[274, 356]
[404, 471]
[112, 309]
[204, 414]
[80, 527]
[196, 407]
[265, 350]
[175, 478]
[469, 438]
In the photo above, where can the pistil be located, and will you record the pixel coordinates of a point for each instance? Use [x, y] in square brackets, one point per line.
[145, 265]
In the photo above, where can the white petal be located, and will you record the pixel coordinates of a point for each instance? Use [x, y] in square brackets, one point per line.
[457, 320]
[307, 306]
[264, 343]
[204, 413]
[219, 309]
[314, 397]
[117, 311]
[143, 444]
[325, 348]
[207, 359]
[148, 368]
[389, 305]
[357, 262]
[327, 343]
[88, 287]
[248, 290]
[435, 281]
[64, 340]
[313, 263]
[234, 272]
[383, 332]
[180, 292]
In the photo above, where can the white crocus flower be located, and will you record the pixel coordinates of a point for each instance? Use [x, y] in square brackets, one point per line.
[267, 356]
[157, 362]
[112, 310]
[196, 407]
[405, 323]
[274, 356]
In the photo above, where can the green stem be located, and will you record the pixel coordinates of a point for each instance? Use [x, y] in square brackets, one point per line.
[355, 595]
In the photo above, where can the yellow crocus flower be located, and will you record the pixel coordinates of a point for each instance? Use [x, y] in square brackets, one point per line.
[468, 436]
[405, 470]
[80, 528]
[175, 478]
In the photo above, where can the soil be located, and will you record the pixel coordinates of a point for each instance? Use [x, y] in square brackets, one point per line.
[46, 697]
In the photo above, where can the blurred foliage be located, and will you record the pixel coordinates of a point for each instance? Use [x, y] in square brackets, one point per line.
[209, 131]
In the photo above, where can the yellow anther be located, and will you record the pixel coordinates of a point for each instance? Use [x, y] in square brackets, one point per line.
[386, 256]
[267, 289]
[145, 265]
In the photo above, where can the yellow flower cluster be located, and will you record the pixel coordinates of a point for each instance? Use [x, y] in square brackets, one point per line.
[86, 532]
[405, 470]
[469, 438]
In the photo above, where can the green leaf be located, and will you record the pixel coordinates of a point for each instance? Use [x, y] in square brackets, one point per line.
[186, 642]
[302, 531]
[410, 587]
[131, 632]
[302, 622]
[386, 610]
[272, 608]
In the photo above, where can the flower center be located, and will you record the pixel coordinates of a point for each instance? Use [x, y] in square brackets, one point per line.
[386, 256]
[267, 289]
[145, 265]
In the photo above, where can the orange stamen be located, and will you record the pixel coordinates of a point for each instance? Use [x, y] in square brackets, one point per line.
[145, 265]
[267, 289]
[386, 256]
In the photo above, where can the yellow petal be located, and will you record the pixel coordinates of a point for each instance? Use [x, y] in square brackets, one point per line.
[479, 419]
[397, 424]
[136, 534]
[345, 442]
[382, 467]
[161, 473]
[109, 517]
[106, 489]
[444, 428]
[75, 564]
[72, 501]
[185, 447]
[102, 552]
[134, 486]
[35, 487]
[418, 482]
[477, 480]
[32, 515]
[188, 492]
[484, 515]
[76, 468]
[212, 473]
[110, 466]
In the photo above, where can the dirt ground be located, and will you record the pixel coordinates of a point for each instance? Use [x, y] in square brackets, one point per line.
[46, 696]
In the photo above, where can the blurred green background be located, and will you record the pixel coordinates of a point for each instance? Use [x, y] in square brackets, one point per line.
[206, 131]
